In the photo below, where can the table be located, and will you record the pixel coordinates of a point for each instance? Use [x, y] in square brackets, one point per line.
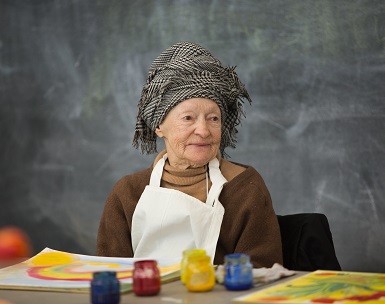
[171, 293]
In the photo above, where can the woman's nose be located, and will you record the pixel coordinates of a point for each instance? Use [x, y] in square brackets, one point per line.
[202, 128]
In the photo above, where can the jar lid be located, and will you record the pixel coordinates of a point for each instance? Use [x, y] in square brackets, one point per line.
[237, 258]
[143, 263]
[104, 274]
[189, 252]
[199, 258]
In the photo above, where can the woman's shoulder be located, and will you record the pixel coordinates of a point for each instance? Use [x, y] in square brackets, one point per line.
[248, 175]
[248, 187]
[231, 170]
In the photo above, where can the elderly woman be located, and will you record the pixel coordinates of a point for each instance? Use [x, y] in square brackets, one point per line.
[191, 197]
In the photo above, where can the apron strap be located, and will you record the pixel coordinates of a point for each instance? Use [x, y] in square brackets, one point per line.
[156, 174]
[217, 179]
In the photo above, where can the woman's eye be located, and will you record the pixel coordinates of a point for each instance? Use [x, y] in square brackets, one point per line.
[187, 117]
[215, 118]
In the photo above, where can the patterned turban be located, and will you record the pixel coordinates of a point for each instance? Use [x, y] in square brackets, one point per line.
[183, 71]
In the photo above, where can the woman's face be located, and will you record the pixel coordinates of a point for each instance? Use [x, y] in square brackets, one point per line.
[192, 132]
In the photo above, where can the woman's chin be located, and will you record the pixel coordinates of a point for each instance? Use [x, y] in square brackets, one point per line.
[199, 161]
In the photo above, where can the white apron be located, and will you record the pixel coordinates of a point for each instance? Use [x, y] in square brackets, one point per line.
[166, 221]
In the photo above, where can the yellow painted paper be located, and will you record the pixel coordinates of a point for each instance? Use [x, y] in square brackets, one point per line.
[62, 271]
[330, 287]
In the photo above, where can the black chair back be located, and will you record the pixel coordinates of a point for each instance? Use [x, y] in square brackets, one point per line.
[307, 242]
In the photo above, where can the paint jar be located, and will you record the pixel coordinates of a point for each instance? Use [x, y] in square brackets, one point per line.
[238, 272]
[186, 254]
[105, 288]
[146, 278]
[199, 273]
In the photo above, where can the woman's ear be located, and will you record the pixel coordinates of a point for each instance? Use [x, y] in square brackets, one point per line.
[159, 132]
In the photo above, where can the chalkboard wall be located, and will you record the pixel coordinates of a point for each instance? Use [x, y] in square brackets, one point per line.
[71, 73]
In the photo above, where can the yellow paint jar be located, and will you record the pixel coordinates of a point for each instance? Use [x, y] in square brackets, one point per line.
[186, 254]
[199, 273]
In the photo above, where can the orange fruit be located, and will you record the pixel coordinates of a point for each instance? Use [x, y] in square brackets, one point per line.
[14, 243]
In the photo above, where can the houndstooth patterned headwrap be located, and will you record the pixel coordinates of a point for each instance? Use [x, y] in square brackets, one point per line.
[183, 71]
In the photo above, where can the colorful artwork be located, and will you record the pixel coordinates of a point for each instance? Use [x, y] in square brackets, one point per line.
[331, 287]
[63, 271]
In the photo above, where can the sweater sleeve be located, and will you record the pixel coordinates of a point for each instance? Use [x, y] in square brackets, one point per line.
[114, 234]
[260, 236]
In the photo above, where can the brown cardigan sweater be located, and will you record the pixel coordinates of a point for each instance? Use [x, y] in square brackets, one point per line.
[249, 224]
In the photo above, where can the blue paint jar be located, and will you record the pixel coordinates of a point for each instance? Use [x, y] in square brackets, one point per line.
[238, 272]
[105, 288]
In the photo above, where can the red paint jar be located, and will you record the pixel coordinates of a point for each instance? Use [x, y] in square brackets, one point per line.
[146, 278]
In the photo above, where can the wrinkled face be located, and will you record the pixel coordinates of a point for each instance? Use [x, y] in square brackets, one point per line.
[192, 132]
